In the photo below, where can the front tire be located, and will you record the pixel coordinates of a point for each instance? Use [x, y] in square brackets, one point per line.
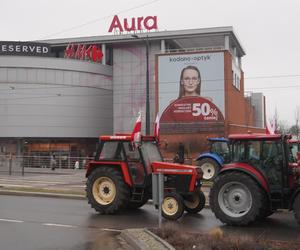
[296, 208]
[106, 190]
[210, 168]
[172, 206]
[236, 199]
[196, 204]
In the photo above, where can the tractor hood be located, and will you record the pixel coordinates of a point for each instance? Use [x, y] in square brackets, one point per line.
[174, 168]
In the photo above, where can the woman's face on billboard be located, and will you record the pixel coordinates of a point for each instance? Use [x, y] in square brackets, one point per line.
[190, 81]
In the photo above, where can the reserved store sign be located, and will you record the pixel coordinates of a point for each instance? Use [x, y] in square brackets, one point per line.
[24, 49]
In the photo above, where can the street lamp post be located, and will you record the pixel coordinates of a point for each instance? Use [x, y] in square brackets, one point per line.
[147, 84]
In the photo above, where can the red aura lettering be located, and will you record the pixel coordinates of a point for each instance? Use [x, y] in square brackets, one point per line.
[149, 23]
[154, 24]
[132, 24]
[115, 24]
[139, 21]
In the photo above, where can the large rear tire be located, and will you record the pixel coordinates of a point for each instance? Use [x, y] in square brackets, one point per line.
[172, 206]
[106, 190]
[210, 168]
[296, 208]
[236, 199]
[196, 203]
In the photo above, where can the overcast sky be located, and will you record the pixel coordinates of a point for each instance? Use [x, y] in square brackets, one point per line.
[267, 29]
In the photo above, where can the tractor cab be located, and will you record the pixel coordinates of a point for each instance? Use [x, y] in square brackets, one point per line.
[119, 148]
[268, 155]
[220, 147]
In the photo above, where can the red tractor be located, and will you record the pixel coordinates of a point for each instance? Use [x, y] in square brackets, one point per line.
[263, 176]
[120, 177]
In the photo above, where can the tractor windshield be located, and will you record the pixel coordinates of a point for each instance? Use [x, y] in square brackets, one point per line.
[294, 147]
[111, 150]
[150, 153]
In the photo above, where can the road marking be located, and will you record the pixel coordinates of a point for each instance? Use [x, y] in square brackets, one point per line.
[14, 185]
[111, 230]
[33, 181]
[59, 225]
[9, 220]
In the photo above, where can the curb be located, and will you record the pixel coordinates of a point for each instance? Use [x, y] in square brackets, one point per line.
[133, 241]
[165, 243]
[42, 194]
[143, 239]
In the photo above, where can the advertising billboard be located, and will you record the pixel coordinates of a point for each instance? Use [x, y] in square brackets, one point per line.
[191, 90]
[190, 97]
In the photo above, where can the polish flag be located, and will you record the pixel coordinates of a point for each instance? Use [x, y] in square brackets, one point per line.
[271, 127]
[156, 128]
[136, 133]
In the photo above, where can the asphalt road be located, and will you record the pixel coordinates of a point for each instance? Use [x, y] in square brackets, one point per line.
[50, 223]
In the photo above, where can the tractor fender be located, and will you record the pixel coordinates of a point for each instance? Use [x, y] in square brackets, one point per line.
[122, 166]
[297, 191]
[248, 169]
[212, 156]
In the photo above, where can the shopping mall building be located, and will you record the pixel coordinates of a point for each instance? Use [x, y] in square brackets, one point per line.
[58, 96]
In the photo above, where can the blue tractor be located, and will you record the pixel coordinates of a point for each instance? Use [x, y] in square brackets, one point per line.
[211, 161]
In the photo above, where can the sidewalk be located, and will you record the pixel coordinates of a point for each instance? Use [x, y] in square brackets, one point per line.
[68, 183]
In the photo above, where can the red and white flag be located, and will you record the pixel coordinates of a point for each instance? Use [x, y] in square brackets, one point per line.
[271, 127]
[136, 133]
[156, 128]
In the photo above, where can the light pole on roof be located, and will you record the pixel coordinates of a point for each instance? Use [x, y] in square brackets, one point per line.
[147, 83]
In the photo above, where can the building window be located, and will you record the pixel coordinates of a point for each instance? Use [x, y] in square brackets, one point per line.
[236, 80]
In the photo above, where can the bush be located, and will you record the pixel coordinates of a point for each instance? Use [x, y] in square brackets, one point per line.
[216, 239]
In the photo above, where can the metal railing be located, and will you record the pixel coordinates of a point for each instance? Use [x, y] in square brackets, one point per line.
[17, 163]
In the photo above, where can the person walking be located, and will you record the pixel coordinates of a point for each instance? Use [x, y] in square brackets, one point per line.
[53, 162]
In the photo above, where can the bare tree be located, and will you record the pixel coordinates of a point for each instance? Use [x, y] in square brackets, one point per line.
[297, 118]
[282, 127]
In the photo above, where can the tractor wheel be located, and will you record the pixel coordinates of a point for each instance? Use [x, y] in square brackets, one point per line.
[106, 190]
[296, 208]
[236, 199]
[196, 204]
[209, 167]
[172, 206]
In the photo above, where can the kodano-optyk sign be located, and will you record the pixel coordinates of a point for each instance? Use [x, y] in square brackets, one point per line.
[135, 24]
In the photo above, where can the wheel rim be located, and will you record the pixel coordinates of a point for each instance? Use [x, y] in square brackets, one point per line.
[194, 203]
[208, 170]
[235, 199]
[170, 206]
[104, 190]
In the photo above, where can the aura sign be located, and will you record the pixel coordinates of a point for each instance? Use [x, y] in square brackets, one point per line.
[135, 24]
